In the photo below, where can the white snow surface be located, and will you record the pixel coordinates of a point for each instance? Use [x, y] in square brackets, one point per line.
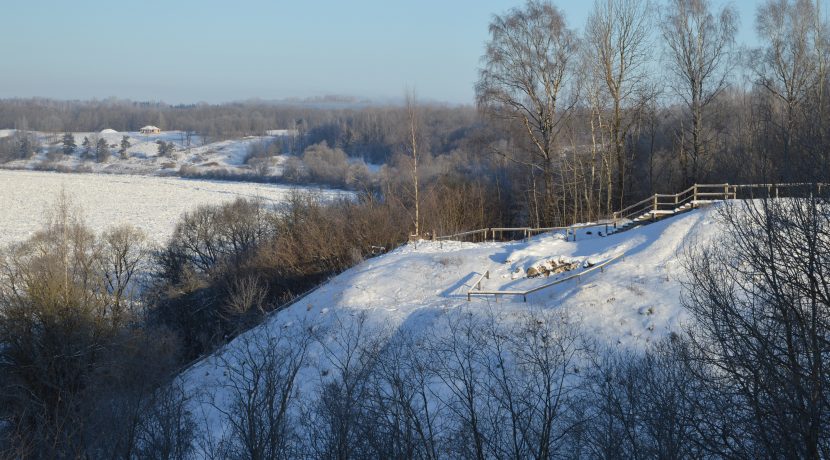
[633, 301]
[142, 155]
[153, 204]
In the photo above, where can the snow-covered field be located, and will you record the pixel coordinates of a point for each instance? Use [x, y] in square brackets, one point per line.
[633, 301]
[153, 204]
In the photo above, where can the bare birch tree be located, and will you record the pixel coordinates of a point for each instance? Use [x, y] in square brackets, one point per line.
[617, 36]
[786, 66]
[526, 80]
[413, 123]
[698, 49]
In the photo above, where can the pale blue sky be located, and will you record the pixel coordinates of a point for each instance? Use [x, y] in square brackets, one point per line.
[184, 51]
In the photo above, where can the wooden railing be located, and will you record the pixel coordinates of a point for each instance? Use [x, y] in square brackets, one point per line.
[498, 233]
[659, 205]
[663, 204]
[476, 290]
[652, 208]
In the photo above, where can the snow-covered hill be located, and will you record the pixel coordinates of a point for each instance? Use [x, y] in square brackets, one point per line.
[143, 153]
[633, 301]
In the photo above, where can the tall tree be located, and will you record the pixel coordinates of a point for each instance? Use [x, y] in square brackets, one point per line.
[125, 144]
[413, 123]
[86, 144]
[102, 151]
[699, 49]
[786, 66]
[525, 80]
[617, 35]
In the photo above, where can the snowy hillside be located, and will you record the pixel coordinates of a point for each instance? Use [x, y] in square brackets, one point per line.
[633, 301]
[143, 153]
[153, 204]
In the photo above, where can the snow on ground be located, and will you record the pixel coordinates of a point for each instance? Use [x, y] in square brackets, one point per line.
[143, 155]
[633, 301]
[153, 204]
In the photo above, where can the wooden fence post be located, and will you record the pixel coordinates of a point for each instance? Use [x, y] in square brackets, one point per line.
[694, 195]
[654, 210]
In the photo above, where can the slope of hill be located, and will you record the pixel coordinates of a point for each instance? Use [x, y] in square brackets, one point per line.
[633, 301]
[143, 154]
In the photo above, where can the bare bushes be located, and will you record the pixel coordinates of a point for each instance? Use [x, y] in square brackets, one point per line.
[71, 357]
[454, 193]
[761, 298]
[487, 387]
[226, 266]
[321, 164]
[261, 384]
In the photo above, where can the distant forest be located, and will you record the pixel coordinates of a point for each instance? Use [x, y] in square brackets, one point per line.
[369, 132]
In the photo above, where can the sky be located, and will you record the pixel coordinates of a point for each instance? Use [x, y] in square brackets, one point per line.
[188, 51]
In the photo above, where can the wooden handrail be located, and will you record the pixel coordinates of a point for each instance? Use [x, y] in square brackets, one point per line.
[651, 206]
[471, 292]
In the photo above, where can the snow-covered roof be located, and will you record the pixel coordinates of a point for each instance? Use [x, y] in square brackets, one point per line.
[109, 131]
[150, 127]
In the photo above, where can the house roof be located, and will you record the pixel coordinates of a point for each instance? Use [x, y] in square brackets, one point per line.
[150, 127]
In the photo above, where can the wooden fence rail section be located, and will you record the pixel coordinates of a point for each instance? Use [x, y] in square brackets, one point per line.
[653, 207]
[659, 205]
[650, 209]
[476, 290]
[526, 232]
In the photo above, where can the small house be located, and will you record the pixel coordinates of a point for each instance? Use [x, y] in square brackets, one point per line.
[149, 129]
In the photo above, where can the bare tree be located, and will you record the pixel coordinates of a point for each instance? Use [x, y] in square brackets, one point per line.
[786, 67]
[698, 49]
[529, 369]
[760, 296]
[414, 127]
[336, 426]
[617, 34]
[125, 254]
[167, 428]
[458, 356]
[645, 404]
[403, 410]
[526, 80]
[261, 381]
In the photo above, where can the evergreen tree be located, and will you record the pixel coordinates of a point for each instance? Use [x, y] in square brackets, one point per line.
[125, 144]
[86, 145]
[165, 148]
[26, 147]
[68, 144]
[102, 151]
